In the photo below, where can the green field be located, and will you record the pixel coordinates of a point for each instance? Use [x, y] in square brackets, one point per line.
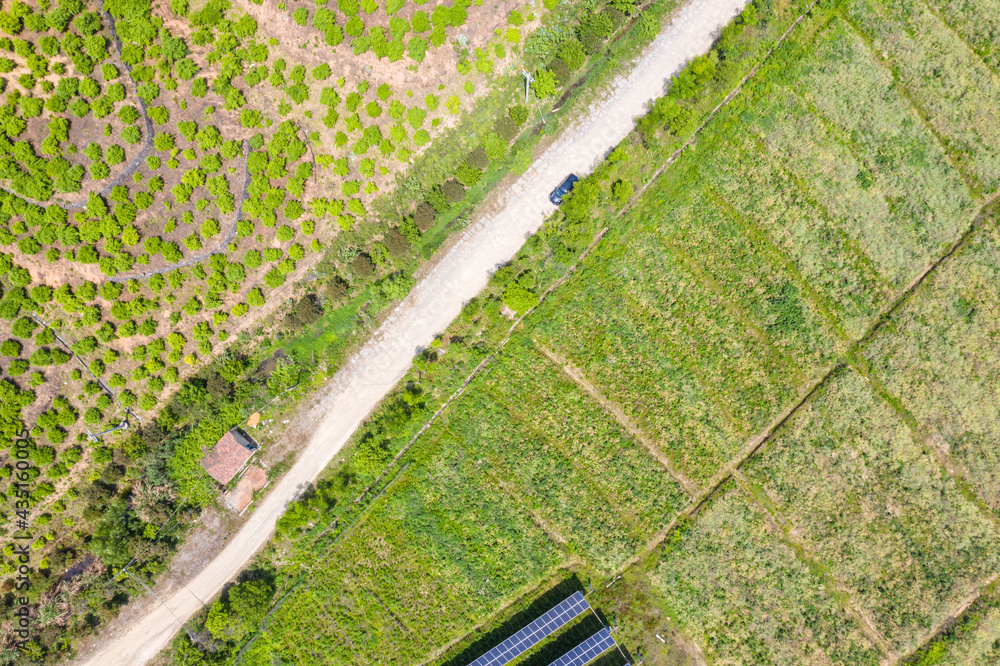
[939, 356]
[759, 308]
[738, 591]
[867, 499]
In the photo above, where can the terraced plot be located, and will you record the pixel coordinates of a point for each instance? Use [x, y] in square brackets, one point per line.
[457, 546]
[743, 595]
[940, 356]
[553, 448]
[951, 86]
[977, 22]
[653, 322]
[876, 507]
[858, 150]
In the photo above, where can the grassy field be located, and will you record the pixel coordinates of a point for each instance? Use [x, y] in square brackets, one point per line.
[746, 399]
[739, 592]
[495, 498]
[939, 355]
[969, 639]
[861, 494]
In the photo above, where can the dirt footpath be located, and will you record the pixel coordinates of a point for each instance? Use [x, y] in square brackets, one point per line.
[457, 276]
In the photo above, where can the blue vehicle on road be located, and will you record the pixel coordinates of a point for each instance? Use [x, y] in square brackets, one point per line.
[564, 188]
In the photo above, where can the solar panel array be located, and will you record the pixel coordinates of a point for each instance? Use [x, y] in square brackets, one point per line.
[587, 650]
[526, 638]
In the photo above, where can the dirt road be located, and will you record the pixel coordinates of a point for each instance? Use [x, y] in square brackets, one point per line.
[459, 275]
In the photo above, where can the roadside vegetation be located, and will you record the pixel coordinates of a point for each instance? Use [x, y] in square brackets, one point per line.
[762, 397]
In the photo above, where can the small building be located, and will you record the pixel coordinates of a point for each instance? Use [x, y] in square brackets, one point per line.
[228, 456]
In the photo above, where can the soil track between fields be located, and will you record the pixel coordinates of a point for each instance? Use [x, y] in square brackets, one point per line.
[434, 302]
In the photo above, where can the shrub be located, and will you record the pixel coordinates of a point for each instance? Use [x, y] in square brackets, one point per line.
[518, 298]
[336, 289]
[468, 175]
[519, 114]
[561, 71]
[507, 128]
[115, 154]
[128, 114]
[591, 42]
[545, 83]
[362, 266]
[415, 117]
[621, 190]
[453, 191]
[132, 135]
[424, 216]
[321, 73]
[396, 242]
[307, 311]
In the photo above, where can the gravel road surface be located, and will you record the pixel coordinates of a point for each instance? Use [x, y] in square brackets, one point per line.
[457, 276]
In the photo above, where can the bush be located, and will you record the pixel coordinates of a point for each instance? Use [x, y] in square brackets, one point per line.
[572, 53]
[307, 311]
[336, 289]
[396, 242]
[621, 190]
[507, 128]
[591, 42]
[468, 175]
[601, 25]
[362, 266]
[453, 191]
[132, 135]
[545, 83]
[518, 298]
[424, 216]
[561, 71]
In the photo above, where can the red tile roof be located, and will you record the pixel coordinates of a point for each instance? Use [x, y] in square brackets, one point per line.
[228, 456]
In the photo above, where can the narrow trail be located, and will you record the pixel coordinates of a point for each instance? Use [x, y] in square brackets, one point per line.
[459, 275]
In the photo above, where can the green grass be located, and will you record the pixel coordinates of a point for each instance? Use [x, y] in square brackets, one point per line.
[954, 90]
[939, 357]
[736, 590]
[977, 22]
[973, 639]
[865, 497]
[838, 122]
[455, 549]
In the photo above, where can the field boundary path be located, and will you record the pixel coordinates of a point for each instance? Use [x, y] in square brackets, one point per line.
[459, 275]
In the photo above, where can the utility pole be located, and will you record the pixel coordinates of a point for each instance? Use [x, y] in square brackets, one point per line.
[528, 78]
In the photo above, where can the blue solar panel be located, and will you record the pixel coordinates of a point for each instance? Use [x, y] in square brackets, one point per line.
[587, 650]
[526, 638]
